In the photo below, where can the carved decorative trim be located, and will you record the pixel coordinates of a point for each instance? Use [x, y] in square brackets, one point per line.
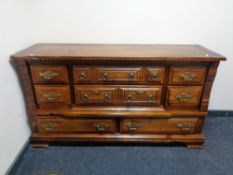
[114, 61]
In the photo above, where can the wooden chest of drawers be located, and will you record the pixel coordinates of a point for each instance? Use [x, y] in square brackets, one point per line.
[123, 93]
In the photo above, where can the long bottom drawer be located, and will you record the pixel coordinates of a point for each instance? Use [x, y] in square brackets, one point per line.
[62, 125]
[167, 126]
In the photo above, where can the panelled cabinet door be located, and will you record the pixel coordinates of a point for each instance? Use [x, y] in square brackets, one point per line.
[96, 95]
[140, 95]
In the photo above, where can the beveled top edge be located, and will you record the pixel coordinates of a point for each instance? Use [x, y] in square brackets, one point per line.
[126, 52]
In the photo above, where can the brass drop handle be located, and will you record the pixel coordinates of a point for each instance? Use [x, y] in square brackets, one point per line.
[49, 126]
[154, 75]
[101, 126]
[188, 76]
[131, 75]
[133, 126]
[52, 96]
[184, 97]
[48, 75]
[129, 97]
[106, 98]
[150, 98]
[83, 76]
[85, 97]
[185, 126]
[105, 74]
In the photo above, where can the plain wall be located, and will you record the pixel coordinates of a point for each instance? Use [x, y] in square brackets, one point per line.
[25, 22]
[14, 35]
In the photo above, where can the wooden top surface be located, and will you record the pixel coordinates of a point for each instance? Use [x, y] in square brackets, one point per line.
[124, 51]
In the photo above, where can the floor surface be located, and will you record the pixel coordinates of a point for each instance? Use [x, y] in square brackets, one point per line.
[216, 158]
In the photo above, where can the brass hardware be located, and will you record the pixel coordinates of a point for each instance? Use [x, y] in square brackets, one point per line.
[49, 126]
[131, 75]
[48, 75]
[188, 76]
[84, 97]
[133, 126]
[154, 75]
[52, 96]
[82, 76]
[184, 97]
[129, 97]
[150, 98]
[185, 126]
[101, 126]
[106, 98]
[105, 75]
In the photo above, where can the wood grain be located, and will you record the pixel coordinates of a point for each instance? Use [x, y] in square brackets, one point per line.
[109, 93]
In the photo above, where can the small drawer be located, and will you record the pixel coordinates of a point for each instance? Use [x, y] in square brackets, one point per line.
[184, 95]
[96, 94]
[49, 74]
[118, 74]
[187, 75]
[155, 74]
[163, 126]
[83, 74]
[61, 125]
[141, 95]
[52, 94]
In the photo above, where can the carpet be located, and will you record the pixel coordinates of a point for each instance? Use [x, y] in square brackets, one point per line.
[216, 157]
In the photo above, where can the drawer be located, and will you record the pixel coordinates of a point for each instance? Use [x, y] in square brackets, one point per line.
[52, 94]
[118, 74]
[96, 94]
[187, 75]
[184, 95]
[171, 125]
[61, 125]
[155, 74]
[136, 95]
[49, 74]
[83, 74]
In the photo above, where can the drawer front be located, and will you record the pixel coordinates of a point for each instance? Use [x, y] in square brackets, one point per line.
[118, 74]
[172, 125]
[184, 95]
[95, 94]
[187, 75]
[83, 74]
[60, 125]
[141, 95]
[52, 94]
[49, 74]
[155, 75]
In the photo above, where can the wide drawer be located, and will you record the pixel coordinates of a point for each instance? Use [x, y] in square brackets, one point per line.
[171, 125]
[118, 74]
[52, 94]
[184, 95]
[144, 95]
[49, 74]
[187, 75]
[96, 95]
[61, 125]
